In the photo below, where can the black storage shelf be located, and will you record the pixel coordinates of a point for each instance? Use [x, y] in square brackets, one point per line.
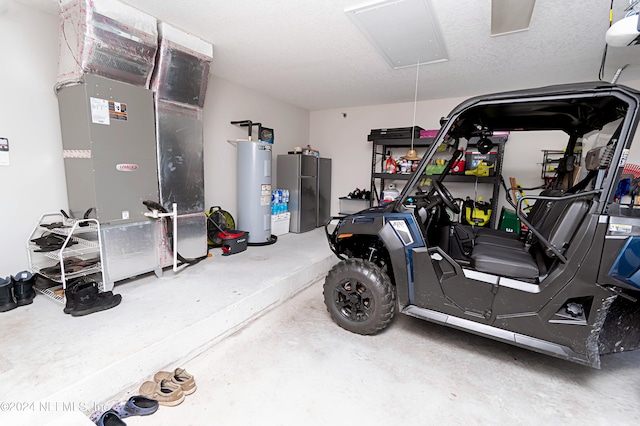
[379, 154]
[450, 178]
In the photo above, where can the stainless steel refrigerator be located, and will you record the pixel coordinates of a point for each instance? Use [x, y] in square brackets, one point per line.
[308, 180]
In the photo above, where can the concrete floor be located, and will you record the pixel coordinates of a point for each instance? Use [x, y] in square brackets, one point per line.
[55, 368]
[295, 366]
[291, 365]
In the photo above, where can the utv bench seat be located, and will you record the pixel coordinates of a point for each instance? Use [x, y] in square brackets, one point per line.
[560, 225]
[537, 215]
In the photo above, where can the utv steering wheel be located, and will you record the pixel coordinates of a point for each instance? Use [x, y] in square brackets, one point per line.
[445, 196]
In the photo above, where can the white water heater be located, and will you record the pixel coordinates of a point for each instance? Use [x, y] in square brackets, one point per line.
[254, 190]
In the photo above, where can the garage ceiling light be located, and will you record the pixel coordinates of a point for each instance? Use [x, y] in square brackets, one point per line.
[510, 16]
[406, 32]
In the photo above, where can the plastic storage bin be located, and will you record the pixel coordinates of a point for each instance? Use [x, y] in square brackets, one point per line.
[351, 205]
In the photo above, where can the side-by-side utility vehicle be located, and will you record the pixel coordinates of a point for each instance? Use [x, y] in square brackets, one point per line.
[568, 285]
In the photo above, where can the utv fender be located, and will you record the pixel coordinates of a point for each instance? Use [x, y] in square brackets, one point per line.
[399, 261]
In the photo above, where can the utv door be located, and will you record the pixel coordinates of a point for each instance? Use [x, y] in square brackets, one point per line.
[440, 284]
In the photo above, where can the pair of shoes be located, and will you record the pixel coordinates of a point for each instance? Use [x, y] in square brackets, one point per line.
[51, 242]
[135, 406]
[169, 388]
[179, 377]
[17, 291]
[84, 298]
[71, 265]
[165, 392]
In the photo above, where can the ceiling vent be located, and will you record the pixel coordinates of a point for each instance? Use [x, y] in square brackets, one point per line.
[510, 16]
[405, 32]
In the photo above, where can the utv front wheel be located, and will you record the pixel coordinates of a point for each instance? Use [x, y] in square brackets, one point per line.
[359, 296]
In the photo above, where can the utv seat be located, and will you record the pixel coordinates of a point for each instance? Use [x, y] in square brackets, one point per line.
[558, 228]
[537, 215]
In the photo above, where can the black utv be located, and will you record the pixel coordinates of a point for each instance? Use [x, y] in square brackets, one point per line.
[568, 285]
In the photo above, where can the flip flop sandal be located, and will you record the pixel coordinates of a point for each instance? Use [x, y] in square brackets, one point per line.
[54, 225]
[76, 261]
[72, 269]
[51, 242]
[48, 239]
[52, 270]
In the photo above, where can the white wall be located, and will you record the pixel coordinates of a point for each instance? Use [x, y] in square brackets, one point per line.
[34, 183]
[344, 139]
[228, 102]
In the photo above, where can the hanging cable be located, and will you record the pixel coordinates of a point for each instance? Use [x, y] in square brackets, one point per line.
[415, 105]
[604, 52]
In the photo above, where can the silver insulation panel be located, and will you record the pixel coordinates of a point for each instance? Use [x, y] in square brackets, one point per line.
[182, 69]
[108, 38]
[192, 239]
[180, 156]
[130, 249]
[181, 74]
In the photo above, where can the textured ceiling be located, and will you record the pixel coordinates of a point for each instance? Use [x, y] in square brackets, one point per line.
[308, 53]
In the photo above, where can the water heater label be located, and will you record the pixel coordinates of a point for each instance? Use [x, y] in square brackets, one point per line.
[265, 194]
[126, 167]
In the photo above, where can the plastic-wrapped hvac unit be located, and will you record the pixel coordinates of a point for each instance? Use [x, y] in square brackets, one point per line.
[182, 68]
[180, 156]
[180, 81]
[107, 38]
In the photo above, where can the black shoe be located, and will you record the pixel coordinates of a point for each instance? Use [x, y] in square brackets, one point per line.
[7, 300]
[23, 287]
[68, 293]
[87, 299]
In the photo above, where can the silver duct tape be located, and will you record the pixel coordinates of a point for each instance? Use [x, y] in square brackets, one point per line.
[180, 156]
[110, 39]
[181, 74]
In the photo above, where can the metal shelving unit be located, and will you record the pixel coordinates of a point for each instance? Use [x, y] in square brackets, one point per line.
[82, 240]
[378, 157]
[381, 146]
[550, 162]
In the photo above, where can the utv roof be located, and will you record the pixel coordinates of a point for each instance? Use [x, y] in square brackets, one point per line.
[573, 108]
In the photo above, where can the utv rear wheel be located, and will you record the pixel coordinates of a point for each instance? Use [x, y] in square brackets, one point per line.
[359, 296]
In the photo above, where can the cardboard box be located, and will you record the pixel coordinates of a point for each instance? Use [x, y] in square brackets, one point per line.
[280, 223]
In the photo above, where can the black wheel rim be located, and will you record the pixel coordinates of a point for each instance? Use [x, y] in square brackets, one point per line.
[354, 300]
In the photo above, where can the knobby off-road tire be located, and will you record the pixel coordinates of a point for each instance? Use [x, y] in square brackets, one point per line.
[359, 296]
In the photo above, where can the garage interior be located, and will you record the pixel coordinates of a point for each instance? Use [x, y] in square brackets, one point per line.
[252, 326]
